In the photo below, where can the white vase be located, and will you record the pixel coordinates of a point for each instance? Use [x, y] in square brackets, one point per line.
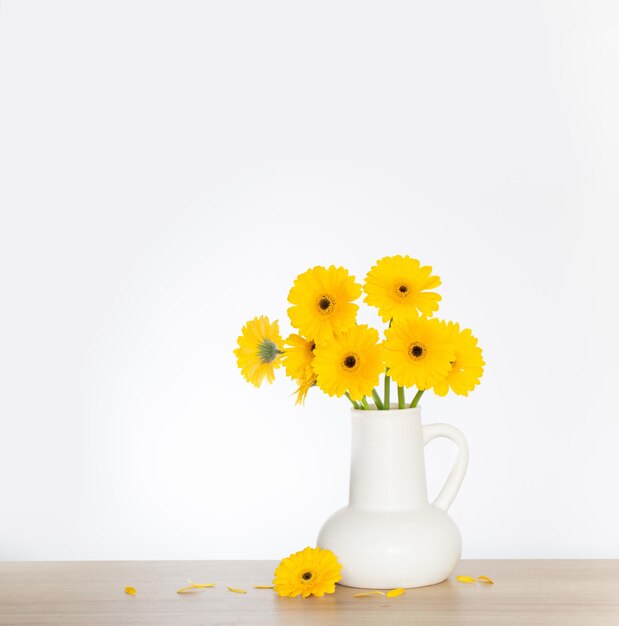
[389, 535]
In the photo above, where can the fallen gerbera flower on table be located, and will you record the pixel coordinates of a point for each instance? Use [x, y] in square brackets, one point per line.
[312, 571]
[130, 591]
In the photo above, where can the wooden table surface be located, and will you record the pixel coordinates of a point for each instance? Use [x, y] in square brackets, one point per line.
[561, 593]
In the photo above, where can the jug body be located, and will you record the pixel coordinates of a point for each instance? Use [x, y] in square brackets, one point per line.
[389, 535]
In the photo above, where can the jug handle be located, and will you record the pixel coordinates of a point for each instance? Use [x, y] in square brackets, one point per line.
[456, 476]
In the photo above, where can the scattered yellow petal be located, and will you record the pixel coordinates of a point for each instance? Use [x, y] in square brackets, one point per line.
[130, 590]
[200, 585]
[193, 586]
[395, 592]
[264, 587]
[236, 590]
[465, 579]
[485, 579]
[365, 594]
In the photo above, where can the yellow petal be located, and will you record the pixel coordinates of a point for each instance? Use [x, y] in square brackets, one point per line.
[264, 587]
[236, 590]
[465, 579]
[485, 579]
[130, 590]
[365, 594]
[200, 585]
[395, 592]
[193, 586]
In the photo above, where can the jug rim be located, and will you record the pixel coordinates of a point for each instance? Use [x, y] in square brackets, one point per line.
[393, 410]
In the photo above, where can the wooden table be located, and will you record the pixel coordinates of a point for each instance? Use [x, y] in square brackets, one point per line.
[561, 593]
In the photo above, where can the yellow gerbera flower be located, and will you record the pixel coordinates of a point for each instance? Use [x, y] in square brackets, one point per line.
[351, 362]
[312, 571]
[418, 352]
[259, 351]
[298, 357]
[468, 366]
[322, 302]
[398, 285]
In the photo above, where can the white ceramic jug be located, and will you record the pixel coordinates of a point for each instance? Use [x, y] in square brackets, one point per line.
[389, 535]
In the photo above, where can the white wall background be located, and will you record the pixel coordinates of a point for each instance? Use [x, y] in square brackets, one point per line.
[168, 168]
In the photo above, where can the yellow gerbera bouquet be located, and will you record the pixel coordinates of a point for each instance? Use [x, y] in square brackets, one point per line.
[334, 353]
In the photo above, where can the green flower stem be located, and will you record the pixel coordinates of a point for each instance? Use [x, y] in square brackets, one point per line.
[401, 400]
[365, 404]
[416, 399]
[352, 401]
[377, 400]
[387, 402]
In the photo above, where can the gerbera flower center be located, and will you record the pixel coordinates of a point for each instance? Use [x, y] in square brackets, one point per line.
[267, 351]
[307, 576]
[402, 291]
[417, 351]
[325, 304]
[350, 362]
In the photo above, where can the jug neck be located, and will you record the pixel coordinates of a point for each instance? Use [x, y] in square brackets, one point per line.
[387, 461]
